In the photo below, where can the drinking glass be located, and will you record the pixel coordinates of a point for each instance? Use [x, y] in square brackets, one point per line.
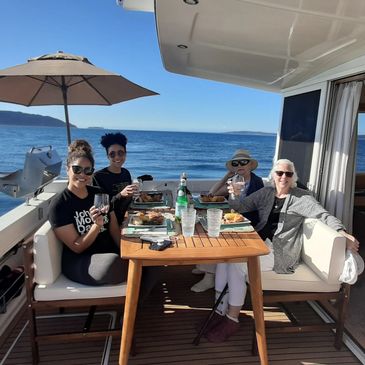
[188, 218]
[214, 219]
[101, 202]
[137, 183]
[237, 182]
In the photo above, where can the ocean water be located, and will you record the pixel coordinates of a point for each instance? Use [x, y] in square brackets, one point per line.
[164, 155]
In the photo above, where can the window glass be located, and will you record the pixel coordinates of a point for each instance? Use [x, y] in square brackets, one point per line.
[298, 130]
[300, 114]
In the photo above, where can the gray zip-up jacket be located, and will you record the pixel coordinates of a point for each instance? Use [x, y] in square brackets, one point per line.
[287, 240]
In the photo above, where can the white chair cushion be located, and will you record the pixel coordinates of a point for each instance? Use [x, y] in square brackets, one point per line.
[63, 289]
[323, 250]
[323, 258]
[303, 280]
[47, 255]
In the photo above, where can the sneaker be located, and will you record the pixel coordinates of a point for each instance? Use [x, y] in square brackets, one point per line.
[208, 282]
[221, 332]
[214, 321]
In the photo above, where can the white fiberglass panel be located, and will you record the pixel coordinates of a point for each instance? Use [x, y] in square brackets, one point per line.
[267, 44]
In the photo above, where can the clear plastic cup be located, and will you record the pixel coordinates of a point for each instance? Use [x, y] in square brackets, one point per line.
[214, 219]
[188, 218]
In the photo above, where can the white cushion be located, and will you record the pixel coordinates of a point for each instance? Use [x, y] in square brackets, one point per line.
[323, 250]
[304, 279]
[47, 255]
[63, 289]
[323, 258]
[51, 284]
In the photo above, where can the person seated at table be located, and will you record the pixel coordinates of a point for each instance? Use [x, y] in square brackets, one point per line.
[91, 253]
[114, 179]
[282, 209]
[241, 164]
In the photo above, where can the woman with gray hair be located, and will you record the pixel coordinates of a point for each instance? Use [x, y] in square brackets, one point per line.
[282, 209]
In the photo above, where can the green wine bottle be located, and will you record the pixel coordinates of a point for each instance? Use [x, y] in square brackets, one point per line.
[181, 197]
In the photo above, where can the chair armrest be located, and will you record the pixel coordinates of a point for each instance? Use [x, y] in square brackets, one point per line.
[323, 250]
[47, 255]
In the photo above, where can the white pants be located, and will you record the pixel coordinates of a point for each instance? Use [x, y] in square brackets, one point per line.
[236, 275]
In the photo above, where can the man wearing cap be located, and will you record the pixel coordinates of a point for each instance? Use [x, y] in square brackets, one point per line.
[241, 164]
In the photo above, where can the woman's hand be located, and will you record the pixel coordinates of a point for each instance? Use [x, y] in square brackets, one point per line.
[128, 191]
[351, 242]
[96, 216]
[232, 189]
[235, 188]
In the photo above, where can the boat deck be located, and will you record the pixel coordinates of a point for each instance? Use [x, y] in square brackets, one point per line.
[166, 326]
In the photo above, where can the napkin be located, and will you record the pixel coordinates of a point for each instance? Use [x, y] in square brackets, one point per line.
[354, 266]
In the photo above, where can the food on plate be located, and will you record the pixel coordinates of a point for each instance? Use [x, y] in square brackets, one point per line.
[212, 198]
[229, 218]
[150, 197]
[148, 218]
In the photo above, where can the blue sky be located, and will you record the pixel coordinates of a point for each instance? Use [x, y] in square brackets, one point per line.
[125, 42]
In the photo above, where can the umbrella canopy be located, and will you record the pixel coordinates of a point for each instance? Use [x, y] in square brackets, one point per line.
[65, 79]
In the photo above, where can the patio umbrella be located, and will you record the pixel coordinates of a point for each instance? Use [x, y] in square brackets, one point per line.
[65, 79]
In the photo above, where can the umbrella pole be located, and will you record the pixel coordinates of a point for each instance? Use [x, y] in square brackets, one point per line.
[64, 94]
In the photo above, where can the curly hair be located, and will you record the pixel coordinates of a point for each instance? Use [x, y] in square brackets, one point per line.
[109, 139]
[79, 148]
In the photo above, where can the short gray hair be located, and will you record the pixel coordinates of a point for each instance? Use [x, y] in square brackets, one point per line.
[282, 162]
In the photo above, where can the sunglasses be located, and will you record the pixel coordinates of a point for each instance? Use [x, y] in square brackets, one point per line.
[235, 163]
[286, 173]
[76, 169]
[120, 153]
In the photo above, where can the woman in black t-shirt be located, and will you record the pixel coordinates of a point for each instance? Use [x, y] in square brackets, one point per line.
[91, 253]
[115, 180]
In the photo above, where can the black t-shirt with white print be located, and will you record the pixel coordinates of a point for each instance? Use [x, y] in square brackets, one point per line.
[67, 208]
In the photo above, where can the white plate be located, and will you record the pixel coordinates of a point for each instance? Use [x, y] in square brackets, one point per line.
[204, 223]
[131, 224]
[160, 202]
[235, 224]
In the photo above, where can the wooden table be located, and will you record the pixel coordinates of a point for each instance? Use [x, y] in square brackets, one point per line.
[228, 247]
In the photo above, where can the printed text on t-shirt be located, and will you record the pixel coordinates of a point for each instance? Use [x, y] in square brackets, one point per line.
[83, 221]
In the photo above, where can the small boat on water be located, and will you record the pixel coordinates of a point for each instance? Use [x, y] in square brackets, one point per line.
[313, 53]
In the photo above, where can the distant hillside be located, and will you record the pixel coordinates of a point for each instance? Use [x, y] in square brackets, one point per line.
[18, 118]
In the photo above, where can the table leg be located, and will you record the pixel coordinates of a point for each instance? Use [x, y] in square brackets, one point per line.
[130, 309]
[254, 274]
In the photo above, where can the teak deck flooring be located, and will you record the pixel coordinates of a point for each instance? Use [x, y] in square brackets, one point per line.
[166, 326]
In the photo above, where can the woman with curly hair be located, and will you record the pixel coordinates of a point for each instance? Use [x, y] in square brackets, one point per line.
[91, 253]
[116, 180]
